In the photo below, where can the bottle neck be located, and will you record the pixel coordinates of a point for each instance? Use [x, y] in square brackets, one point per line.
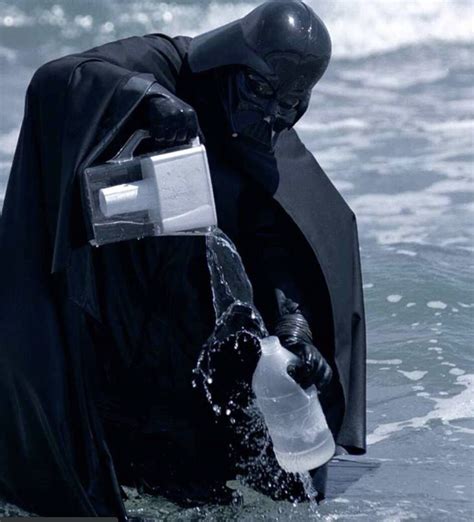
[270, 345]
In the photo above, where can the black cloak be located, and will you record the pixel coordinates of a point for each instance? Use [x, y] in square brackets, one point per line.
[61, 299]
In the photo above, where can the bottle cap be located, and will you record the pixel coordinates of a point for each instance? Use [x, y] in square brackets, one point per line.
[270, 344]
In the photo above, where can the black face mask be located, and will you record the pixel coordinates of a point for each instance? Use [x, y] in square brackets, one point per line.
[258, 109]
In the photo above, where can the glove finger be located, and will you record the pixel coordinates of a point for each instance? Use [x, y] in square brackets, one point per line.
[300, 374]
[184, 126]
[316, 367]
[306, 352]
[170, 135]
[182, 135]
[157, 132]
[193, 135]
[164, 130]
[201, 137]
[308, 355]
[322, 374]
[191, 122]
[304, 377]
[327, 375]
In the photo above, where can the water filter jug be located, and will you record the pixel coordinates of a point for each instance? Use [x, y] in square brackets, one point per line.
[293, 416]
[154, 194]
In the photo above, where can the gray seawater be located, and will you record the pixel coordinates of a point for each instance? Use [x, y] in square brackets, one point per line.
[392, 124]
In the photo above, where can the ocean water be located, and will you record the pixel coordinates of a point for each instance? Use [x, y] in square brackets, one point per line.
[392, 124]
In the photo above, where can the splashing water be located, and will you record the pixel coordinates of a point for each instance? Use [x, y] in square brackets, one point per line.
[311, 493]
[229, 281]
[237, 320]
[238, 330]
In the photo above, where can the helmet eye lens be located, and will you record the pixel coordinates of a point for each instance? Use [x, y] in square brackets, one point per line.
[258, 85]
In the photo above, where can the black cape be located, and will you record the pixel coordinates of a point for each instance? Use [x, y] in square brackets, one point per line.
[60, 299]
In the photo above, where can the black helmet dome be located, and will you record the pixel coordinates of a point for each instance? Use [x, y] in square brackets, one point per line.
[280, 38]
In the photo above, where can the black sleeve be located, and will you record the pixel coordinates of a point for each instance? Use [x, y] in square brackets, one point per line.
[155, 53]
[279, 260]
[273, 259]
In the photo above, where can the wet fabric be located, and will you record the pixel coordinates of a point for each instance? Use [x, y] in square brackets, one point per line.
[97, 346]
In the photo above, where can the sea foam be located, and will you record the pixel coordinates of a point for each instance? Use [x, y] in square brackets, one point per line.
[356, 29]
[446, 410]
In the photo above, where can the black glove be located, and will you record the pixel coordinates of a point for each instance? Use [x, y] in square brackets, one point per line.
[312, 368]
[295, 335]
[170, 120]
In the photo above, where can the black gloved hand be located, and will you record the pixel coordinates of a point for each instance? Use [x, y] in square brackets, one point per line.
[170, 120]
[311, 369]
[295, 335]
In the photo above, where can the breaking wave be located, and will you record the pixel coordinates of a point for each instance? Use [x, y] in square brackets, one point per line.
[358, 28]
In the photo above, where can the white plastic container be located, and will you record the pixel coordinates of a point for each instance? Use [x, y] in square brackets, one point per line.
[166, 193]
[296, 423]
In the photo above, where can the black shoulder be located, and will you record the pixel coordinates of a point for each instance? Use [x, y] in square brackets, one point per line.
[296, 161]
[169, 45]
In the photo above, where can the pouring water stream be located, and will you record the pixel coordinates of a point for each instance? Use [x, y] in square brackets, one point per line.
[232, 295]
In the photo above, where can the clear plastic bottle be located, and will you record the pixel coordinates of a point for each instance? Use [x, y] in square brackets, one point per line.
[294, 417]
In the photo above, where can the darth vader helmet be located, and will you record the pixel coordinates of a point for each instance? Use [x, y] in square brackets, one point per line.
[268, 63]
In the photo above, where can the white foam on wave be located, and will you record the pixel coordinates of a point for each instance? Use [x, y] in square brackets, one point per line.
[451, 126]
[408, 74]
[457, 371]
[405, 203]
[415, 375]
[446, 410]
[455, 241]
[451, 185]
[394, 362]
[438, 305]
[345, 123]
[404, 217]
[342, 185]
[8, 142]
[9, 55]
[357, 28]
[404, 252]
[394, 298]
[351, 92]
[362, 28]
